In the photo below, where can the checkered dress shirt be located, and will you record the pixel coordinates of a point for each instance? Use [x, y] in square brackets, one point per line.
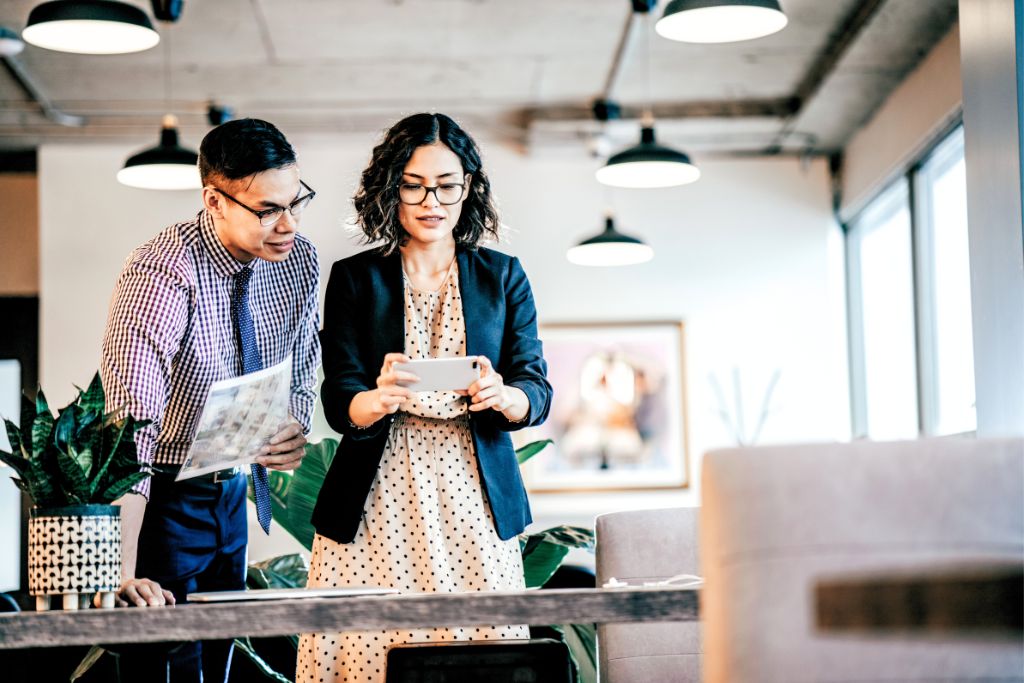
[170, 334]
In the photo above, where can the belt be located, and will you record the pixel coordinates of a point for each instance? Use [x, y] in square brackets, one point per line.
[208, 478]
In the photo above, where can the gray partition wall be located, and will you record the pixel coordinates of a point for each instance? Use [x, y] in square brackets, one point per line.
[991, 47]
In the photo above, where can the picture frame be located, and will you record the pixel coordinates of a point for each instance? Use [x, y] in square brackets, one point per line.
[618, 417]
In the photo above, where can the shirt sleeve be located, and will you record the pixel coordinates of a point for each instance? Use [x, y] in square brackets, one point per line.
[306, 352]
[147, 319]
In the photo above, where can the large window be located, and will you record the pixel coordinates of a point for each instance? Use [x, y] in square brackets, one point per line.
[882, 306]
[912, 355]
[947, 345]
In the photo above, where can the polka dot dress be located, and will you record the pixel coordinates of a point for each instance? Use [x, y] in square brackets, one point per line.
[427, 523]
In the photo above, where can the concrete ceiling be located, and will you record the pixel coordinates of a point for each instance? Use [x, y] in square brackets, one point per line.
[525, 71]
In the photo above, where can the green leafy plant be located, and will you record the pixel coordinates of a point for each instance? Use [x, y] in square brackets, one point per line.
[81, 457]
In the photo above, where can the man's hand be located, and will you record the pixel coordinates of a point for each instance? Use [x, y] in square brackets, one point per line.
[285, 449]
[143, 593]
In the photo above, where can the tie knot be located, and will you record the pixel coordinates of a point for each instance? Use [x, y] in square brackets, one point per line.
[242, 278]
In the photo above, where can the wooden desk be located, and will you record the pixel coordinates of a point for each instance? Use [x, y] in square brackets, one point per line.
[965, 601]
[282, 617]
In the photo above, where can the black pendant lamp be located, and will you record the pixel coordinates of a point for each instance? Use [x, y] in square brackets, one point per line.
[648, 164]
[720, 21]
[610, 248]
[168, 166]
[10, 42]
[98, 27]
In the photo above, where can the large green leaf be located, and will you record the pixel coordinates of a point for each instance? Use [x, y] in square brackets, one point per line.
[544, 551]
[42, 428]
[28, 418]
[581, 639]
[91, 657]
[15, 460]
[74, 483]
[305, 488]
[13, 436]
[93, 399]
[531, 449]
[245, 646]
[122, 486]
[40, 485]
[540, 561]
[110, 443]
[283, 571]
[294, 495]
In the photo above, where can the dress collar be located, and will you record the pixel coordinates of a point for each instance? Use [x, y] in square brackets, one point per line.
[225, 264]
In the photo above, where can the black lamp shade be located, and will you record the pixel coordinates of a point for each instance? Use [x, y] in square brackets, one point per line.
[610, 248]
[720, 21]
[648, 164]
[168, 166]
[90, 27]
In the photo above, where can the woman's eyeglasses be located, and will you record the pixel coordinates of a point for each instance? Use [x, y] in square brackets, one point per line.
[446, 193]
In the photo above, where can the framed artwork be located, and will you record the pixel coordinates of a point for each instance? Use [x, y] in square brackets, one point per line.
[618, 416]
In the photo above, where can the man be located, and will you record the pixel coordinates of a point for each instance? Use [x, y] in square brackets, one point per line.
[228, 292]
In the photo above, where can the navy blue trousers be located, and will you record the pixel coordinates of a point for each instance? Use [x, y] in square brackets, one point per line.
[193, 539]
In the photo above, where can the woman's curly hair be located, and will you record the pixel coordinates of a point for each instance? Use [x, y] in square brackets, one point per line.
[377, 203]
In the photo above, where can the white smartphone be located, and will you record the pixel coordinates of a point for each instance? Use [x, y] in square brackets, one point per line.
[441, 374]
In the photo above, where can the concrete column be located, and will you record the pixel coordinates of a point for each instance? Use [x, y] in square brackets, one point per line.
[991, 48]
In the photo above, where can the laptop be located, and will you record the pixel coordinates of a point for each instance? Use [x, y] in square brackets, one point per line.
[289, 593]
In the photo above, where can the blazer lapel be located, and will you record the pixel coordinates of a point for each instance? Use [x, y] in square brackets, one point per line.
[391, 306]
[471, 303]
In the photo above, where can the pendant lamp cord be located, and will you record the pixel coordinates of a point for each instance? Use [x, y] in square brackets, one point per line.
[167, 67]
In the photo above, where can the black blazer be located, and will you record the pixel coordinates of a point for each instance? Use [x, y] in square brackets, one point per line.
[364, 319]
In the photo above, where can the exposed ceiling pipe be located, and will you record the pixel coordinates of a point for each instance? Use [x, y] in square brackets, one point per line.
[620, 50]
[783, 107]
[28, 84]
[825, 63]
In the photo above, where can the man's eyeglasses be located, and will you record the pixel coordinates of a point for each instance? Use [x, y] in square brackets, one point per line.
[446, 193]
[268, 217]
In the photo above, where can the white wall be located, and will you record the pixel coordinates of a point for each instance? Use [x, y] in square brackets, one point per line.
[749, 257]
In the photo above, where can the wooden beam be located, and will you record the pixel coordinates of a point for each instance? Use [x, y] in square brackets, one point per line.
[283, 617]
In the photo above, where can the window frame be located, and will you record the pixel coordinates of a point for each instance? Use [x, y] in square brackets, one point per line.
[941, 157]
[941, 154]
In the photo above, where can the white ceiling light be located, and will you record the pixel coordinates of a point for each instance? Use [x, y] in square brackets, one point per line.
[648, 165]
[96, 27]
[720, 21]
[168, 166]
[610, 248]
[10, 42]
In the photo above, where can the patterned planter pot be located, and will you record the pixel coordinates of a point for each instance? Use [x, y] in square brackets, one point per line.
[74, 552]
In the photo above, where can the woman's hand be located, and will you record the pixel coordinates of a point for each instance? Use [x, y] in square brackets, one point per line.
[369, 406]
[490, 393]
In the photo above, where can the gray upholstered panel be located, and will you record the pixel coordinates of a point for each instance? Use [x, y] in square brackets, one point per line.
[775, 521]
[639, 546]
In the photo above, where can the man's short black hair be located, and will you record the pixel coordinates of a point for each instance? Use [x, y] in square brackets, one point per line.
[241, 148]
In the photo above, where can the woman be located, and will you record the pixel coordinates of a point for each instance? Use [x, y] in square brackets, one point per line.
[424, 494]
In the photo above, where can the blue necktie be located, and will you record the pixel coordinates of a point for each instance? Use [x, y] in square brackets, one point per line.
[251, 362]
